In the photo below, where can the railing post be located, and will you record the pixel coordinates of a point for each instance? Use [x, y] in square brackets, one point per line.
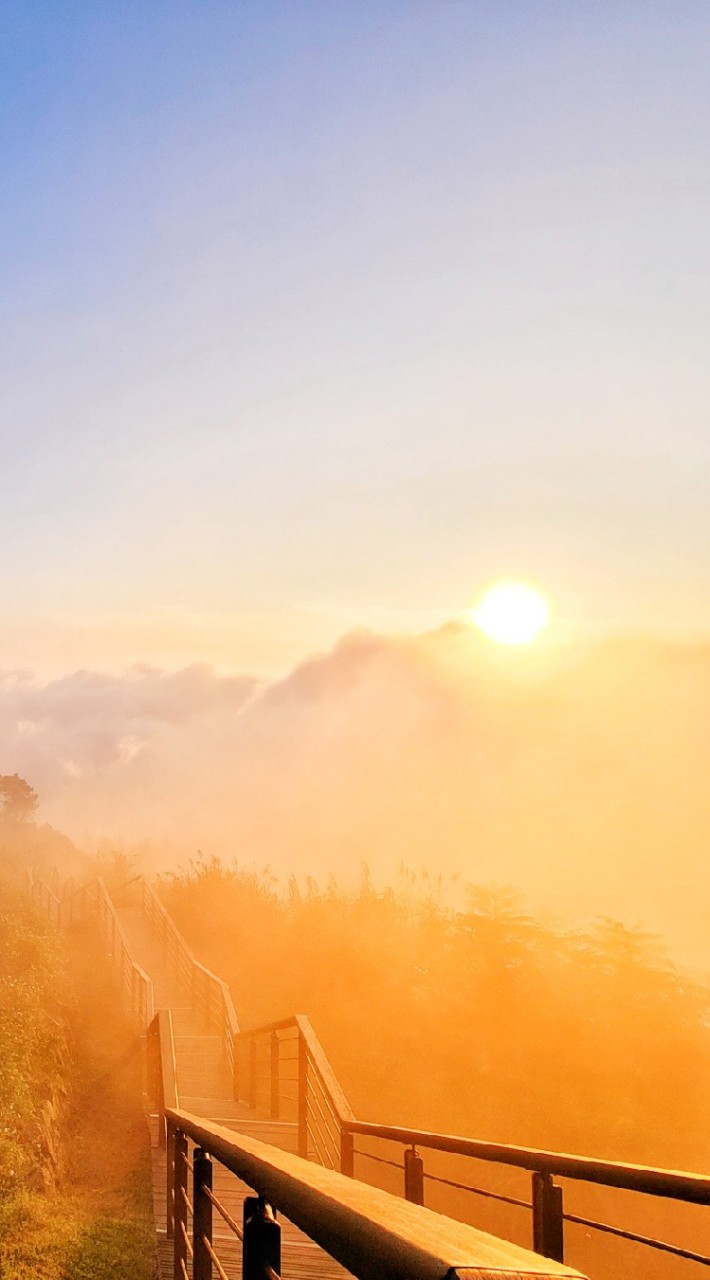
[413, 1176]
[202, 1215]
[302, 1096]
[548, 1221]
[180, 1207]
[163, 1128]
[261, 1245]
[206, 985]
[347, 1153]
[252, 1072]
[275, 1055]
[169, 1179]
[236, 1080]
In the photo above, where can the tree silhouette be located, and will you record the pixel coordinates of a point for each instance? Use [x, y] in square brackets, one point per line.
[18, 800]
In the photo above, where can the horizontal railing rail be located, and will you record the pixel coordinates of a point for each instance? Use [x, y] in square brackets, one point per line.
[546, 1200]
[367, 1230]
[691, 1187]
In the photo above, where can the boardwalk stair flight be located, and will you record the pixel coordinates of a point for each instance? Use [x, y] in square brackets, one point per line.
[246, 1124]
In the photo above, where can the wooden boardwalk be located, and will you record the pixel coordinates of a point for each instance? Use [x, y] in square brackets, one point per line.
[205, 1088]
[197, 1054]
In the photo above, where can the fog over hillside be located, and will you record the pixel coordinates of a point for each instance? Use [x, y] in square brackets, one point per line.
[578, 775]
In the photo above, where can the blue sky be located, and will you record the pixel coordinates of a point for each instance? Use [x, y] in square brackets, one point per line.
[315, 315]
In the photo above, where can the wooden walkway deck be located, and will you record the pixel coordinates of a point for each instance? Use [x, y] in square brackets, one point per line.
[205, 1088]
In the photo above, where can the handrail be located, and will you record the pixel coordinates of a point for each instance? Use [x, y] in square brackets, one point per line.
[168, 1060]
[343, 1111]
[693, 1188]
[207, 992]
[45, 898]
[161, 1064]
[134, 983]
[364, 1228]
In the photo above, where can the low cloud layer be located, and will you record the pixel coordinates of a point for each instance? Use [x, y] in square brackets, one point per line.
[578, 776]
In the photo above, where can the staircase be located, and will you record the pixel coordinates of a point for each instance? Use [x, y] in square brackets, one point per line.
[257, 1102]
[205, 1088]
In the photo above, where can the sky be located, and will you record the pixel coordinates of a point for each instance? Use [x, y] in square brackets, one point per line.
[316, 316]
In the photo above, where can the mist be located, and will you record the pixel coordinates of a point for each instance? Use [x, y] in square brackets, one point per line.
[576, 774]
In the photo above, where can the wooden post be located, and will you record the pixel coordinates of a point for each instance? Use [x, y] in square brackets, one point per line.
[548, 1223]
[180, 1207]
[202, 1215]
[206, 986]
[236, 1080]
[261, 1243]
[347, 1154]
[275, 1054]
[413, 1176]
[302, 1096]
[252, 1072]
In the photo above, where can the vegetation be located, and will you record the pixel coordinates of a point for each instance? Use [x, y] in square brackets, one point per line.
[18, 800]
[75, 1189]
[483, 1021]
[33, 1046]
[26, 844]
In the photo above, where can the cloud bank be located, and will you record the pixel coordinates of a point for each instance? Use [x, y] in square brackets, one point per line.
[579, 776]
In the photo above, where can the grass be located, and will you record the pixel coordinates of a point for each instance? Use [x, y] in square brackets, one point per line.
[97, 1225]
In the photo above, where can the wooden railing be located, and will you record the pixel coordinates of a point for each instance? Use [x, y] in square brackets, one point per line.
[45, 898]
[281, 1071]
[368, 1231]
[546, 1199]
[205, 993]
[71, 904]
[161, 1068]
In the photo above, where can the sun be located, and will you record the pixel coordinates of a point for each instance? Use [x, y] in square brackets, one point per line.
[511, 613]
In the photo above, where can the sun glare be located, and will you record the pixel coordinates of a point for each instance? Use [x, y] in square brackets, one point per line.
[511, 613]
